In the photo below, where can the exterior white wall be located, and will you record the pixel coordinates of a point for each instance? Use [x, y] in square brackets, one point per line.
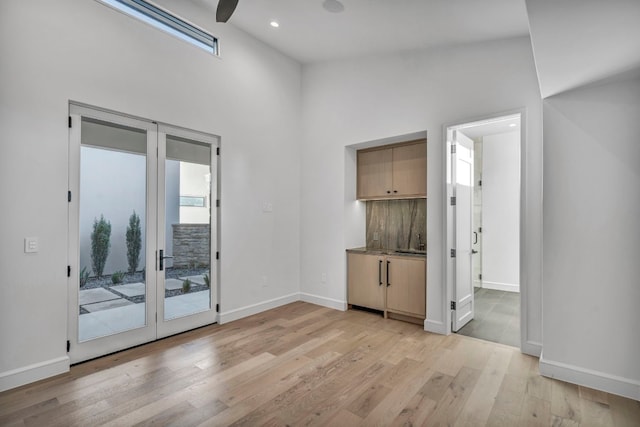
[192, 183]
[353, 101]
[112, 184]
[501, 211]
[54, 52]
[591, 235]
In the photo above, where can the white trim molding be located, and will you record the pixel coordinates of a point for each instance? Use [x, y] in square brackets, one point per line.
[32, 373]
[249, 310]
[590, 378]
[323, 301]
[531, 348]
[436, 327]
[509, 287]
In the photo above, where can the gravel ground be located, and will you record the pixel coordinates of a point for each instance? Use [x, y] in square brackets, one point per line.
[170, 273]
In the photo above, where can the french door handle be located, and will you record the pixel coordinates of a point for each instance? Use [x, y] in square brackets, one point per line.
[380, 272]
[162, 258]
[475, 237]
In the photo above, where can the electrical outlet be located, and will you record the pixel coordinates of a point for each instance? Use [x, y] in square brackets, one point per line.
[323, 278]
[376, 236]
[267, 207]
[30, 245]
[265, 282]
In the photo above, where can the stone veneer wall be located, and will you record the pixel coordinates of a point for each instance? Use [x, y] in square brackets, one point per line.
[191, 243]
[395, 224]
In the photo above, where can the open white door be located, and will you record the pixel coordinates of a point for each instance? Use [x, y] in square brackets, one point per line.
[462, 180]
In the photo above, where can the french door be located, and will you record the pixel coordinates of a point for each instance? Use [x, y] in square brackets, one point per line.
[143, 228]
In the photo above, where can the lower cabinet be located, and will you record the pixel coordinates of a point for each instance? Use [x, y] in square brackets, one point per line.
[394, 284]
[365, 285]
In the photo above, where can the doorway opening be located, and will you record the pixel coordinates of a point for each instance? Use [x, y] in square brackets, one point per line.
[484, 190]
[143, 231]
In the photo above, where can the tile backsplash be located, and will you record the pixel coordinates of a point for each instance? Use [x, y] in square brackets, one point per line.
[395, 224]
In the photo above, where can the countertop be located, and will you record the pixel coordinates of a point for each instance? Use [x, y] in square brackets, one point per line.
[394, 252]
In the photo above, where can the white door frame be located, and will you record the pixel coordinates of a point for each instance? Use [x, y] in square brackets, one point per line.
[447, 286]
[155, 326]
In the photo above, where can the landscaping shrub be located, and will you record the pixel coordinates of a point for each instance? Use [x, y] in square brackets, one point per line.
[186, 286]
[117, 277]
[100, 244]
[134, 242]
[207, 280]
[84, 276]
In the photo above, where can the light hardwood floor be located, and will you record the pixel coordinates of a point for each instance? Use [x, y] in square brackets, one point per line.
[306, 365]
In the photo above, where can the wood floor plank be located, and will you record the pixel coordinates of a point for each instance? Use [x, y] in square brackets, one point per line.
[565, 401]
[304, 365]
[485, 392]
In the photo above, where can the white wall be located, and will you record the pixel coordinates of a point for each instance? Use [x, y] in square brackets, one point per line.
[352, 101]
[591, 235]
[53, 52]
[501, 211]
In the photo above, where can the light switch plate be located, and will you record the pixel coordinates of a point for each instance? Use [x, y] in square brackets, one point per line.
[30, 245]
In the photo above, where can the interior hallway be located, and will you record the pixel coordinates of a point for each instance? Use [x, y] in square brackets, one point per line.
[496, 317]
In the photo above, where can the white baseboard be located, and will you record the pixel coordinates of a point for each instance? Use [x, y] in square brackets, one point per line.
[435, 327]
[531, 348]
[323, 301]
[590, 378]
[509, 287]
[32, 373]
[250, 310]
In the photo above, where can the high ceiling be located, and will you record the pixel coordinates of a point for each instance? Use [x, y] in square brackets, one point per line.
[309, 33]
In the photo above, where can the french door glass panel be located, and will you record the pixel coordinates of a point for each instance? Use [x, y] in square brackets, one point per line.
[187, 273]
[113, 181]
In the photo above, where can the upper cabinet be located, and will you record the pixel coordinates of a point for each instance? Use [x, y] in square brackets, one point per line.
[393, 172]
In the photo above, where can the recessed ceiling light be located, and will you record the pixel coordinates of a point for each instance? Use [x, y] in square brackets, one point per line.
[512, 125]
[274, 24]
[333, 6]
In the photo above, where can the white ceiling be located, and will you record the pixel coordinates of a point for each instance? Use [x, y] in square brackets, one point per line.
[577, 42]
[491, 127]
[308, 33]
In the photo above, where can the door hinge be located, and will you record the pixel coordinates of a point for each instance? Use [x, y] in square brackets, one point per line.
[479, 229]
[453, 200]
[156, 317]
[217, 255]
[480, 183]
[217, 308]
[69, 122]
[480, 276]
[453, 305]
[68, 346]
[69, 196]
[217, 151]
[68, 271]
[453, 253]
[453, 148]
[217, 203]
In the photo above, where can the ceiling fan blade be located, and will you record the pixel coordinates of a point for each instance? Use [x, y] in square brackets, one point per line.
[225, 10]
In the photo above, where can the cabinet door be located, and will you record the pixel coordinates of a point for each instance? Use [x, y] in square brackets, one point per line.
[365, 279]
[375, 173]
[406, 287]
[410, 170]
